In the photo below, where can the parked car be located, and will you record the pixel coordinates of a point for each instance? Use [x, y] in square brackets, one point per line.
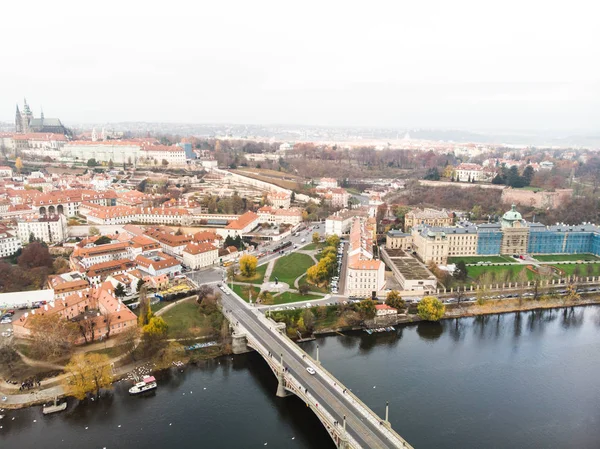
[6, 321]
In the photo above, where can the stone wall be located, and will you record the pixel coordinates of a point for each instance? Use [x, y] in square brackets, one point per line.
[536, 199]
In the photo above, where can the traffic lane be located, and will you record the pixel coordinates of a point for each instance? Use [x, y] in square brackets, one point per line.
[321, 389]
[298, 369]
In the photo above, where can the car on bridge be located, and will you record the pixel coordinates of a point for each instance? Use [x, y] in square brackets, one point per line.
[310, 370]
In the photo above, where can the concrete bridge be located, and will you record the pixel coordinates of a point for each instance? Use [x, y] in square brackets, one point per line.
[349, 422]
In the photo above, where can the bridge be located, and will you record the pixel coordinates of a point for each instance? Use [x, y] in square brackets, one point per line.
[349, 422]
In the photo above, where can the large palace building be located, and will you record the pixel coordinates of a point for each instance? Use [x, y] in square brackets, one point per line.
[512, 235]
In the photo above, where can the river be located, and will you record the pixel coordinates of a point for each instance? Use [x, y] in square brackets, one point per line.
[526, 380]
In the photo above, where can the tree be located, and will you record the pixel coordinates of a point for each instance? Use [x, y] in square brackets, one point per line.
[165, 162]
[461, 271]
[111, 164]
[366, 309]
[51, 335]
[231, 273]
[88, 373]
[248, 265]
[18, 165]
[303, 289]
[8, 354]
[145, 308]
[60, 265]
[265, 297]
[332, 240]
[476, 212]
[498, 179]
[156, 328]
[140, 284]
[87, 327]
[94, 230]
[316, 238]
[432, 174]
[394, 300]
[431, 309]
[104, 240]
[119, 290]
[528, 175]
[34, 255]
[92, 162]
[203, 292]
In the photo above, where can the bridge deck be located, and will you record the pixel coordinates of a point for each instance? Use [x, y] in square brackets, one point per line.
[322, 392]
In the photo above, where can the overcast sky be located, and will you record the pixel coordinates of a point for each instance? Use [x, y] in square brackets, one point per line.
[511, 64]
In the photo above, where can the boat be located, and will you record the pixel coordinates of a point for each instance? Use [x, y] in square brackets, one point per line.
[368, 331]
[54, 407]
[148, 383]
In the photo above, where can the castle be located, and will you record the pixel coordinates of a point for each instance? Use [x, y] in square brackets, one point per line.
[25, 122]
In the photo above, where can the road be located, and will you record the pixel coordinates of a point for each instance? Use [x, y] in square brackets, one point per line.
[328, 396]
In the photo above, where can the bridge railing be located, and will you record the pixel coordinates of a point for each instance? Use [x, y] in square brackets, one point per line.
[366, 411]
[352, 398]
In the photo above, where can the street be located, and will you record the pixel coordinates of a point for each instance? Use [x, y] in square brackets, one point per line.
[329, 396]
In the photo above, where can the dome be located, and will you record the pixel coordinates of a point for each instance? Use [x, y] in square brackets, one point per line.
[512, 214]
[512, 218]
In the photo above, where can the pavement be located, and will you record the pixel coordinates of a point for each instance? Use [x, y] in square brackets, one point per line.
[328, 395]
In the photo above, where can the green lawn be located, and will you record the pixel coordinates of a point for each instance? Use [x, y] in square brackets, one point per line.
[258, 278]
[313, 246]
[501, 273]
[312, 287]
[242, 291]
[565, 257]
[288, 268]
[569, 269]
[475, 259]
[184, 320]
[288, 297]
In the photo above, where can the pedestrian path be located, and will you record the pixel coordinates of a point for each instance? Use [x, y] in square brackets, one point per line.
[269, 270]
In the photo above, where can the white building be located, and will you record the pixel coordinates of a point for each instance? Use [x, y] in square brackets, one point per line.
[328, 183]
[119, 151]
[49, 229]
[280, 200]
[9, 244]
[200, 255]
[472, 172]
[268, 214]
[155, 154]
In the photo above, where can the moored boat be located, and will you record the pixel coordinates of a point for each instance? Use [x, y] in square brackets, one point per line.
[54, 407]
[148, 383]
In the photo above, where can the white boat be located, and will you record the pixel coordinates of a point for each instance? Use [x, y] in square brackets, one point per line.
[55, 407]
[148, 383]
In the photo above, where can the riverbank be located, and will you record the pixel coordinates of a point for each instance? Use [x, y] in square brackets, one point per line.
[464, 310]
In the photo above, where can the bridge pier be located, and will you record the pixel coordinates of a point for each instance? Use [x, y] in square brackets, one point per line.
[281, 391]
[239, 344]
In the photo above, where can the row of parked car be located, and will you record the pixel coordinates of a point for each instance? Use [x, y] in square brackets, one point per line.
[336, 278]
[6, 318]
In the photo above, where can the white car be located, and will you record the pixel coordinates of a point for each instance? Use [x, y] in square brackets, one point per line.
[310, 370]
[6, 321]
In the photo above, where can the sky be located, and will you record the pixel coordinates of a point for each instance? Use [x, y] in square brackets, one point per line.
[511, 64]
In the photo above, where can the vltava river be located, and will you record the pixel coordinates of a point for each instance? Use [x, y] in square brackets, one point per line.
[528, 380]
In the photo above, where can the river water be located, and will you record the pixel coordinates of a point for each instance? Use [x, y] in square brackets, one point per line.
[528, 380]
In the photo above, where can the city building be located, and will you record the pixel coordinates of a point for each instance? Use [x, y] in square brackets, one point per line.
[365, 276]
[200, 255]
[25, 122]
[45, 228]
[9, 243]
[97, 311]
[427, 216]
[268, 214]
[398, 240]
[243, 225]
[511, 236]
[466, 172]
[280, 200]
